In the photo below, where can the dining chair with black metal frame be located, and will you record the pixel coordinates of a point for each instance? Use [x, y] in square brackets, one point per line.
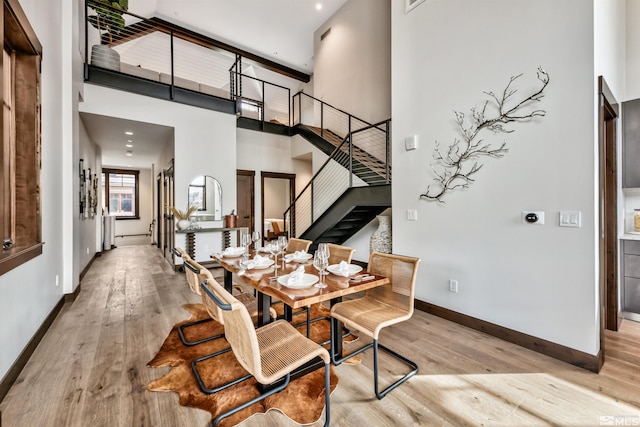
[270, 353]
[194, 274]
[381, 307]
[251, 305]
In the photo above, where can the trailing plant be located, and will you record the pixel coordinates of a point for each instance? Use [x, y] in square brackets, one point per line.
[107, 18]
[456, 166]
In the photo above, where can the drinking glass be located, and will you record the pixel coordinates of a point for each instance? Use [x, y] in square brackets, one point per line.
[320, 262]
[282, 245]
[255, 237]
[245, 240]
[323, 248]
[274, 249]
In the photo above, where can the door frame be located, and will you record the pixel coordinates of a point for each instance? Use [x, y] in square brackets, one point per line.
[252, 213]
[292, 191]
[608, 113]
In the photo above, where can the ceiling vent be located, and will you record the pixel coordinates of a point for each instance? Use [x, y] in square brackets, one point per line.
[326, 33]
[409, 5]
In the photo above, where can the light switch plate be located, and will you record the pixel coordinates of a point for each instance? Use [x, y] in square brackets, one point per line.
[411, 142]
[412, 215]
[570, 219]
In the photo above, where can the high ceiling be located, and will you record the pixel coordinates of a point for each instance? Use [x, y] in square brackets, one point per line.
[280, 30]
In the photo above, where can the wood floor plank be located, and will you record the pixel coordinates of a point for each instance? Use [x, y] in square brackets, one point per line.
[90, 368]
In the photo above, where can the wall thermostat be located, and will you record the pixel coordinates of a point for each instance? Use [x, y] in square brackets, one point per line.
[533, 217]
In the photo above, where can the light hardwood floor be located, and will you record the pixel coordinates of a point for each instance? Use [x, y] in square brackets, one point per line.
[90, 368]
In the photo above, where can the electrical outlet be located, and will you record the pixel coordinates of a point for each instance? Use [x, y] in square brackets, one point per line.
[453, 286]
[412, 214]
[57, 280]
[87, 251]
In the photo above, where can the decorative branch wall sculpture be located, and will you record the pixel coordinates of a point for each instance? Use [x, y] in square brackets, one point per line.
[453, 168]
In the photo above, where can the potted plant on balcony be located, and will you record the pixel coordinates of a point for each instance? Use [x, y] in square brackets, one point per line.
[108, 19]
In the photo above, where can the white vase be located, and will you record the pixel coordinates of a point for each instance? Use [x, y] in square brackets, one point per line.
[381, 238]
[183, 224]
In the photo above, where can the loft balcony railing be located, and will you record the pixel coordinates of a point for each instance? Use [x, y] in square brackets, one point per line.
[363, 158]
[159, 52]
[258, 99]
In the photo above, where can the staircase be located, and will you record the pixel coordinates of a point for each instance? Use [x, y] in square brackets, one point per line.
[352, 186]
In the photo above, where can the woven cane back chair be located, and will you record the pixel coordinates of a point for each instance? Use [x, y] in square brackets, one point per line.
[194, 274]
[339, 253]
[249, 302]
[269, 353]
[381, 307]
[294, 244]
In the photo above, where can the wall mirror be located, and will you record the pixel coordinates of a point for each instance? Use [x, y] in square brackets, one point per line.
[206, 193]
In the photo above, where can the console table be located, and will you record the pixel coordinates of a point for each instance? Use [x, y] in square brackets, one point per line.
[225, 234]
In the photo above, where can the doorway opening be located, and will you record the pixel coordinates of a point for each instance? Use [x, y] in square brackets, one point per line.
[277, 194]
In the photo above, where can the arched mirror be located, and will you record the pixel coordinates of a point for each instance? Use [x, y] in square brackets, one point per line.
[206, 193]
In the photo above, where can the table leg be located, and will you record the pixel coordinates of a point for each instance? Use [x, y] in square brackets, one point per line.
[337, 331]
[288, 313]
[264, 304]
[228, 281]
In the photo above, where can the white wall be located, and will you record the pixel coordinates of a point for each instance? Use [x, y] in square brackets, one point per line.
[632, 51]
[29, 293]
[264, 152]
[352, 65]
[87, 243]
[540, 280]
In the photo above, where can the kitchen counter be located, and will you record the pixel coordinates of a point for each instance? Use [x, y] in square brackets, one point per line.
[629, 236]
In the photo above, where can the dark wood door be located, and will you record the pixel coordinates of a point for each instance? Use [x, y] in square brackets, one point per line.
[245, 200]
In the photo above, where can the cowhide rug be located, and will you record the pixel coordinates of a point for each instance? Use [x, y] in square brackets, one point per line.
[302, 400]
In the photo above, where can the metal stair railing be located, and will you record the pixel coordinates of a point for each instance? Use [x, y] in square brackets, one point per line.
[329, 122]
[362, 159]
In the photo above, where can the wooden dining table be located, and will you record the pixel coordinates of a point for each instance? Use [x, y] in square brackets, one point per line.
[268, 289]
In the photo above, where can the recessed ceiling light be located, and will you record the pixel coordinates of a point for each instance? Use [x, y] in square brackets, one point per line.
[129, 166]
[318, 6]
[129, 145]
[129, 153]
[128, 140]
[129, 132]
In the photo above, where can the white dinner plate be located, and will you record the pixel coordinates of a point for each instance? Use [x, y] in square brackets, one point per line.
[233, 252]
[306, 281]
[353, 269]
[299, 258]
[264, 264]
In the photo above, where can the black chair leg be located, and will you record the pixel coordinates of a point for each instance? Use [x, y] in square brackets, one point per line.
[201, 384]
[181, 329]
[379, 394]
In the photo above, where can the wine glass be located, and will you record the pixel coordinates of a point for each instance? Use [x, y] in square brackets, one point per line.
[245, 240]
[255, 236]
[323, 248]
[320, 262]
[282, 246]
[274, 249]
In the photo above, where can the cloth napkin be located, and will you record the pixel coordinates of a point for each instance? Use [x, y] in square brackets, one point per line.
[296, 276]
[343, 269]
[256, 261]
[295, 255]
